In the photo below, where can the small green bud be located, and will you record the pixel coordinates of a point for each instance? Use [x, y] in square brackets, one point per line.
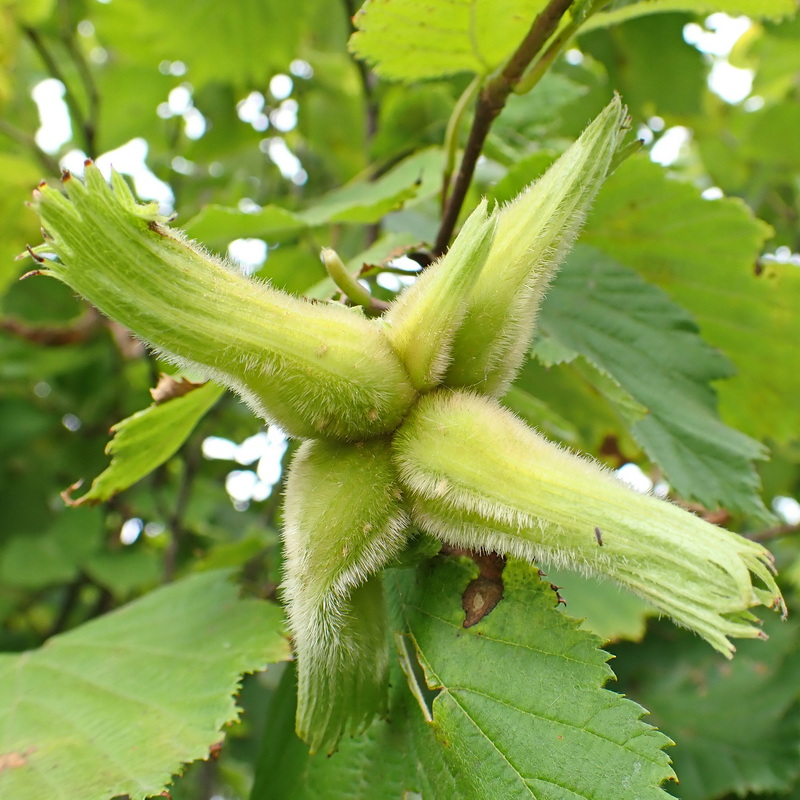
[424, 318]
[479, 478]
[316, 369]
[343, 523]
[534, 233]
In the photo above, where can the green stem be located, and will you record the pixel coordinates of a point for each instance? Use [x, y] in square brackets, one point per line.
[350, 287]
[451, 135]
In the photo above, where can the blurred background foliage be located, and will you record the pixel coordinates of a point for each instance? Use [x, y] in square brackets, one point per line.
[255, 124]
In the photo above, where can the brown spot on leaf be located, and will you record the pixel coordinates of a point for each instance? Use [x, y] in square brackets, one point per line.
[15, 759]
[168, 388]
[486, 591]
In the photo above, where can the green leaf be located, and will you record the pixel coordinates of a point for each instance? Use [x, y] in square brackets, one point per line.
[358, 202]
[652, 348]
[737, 724]
[125, 571]
[539, 726]
[218, 225]
[551, 352]
[413, 39]
[540, 415]
[677, 89]
[17, 177]
[376, 765]
[214, 43]
[370, 201]
[147, 439]
[117, 705]
[55, 555]
[645, 220]
[622, 10]
[604, 609]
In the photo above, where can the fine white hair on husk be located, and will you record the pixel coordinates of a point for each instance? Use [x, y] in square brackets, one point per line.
[478, 477]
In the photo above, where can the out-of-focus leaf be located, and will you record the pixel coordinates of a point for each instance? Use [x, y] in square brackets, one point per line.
[652, 348]
[373, 766]
[125, 571]
[55, 555]
[737, 723]
[359, 202]
[622, 10]
[542, 725]
[147, 439]
[131, 94]
[413, 39]
[644, 220]
[218, 225]
[118, 705]
[766, 142]
[539, 415]
[675, 88]
[18, 177]
[606, 610]
[370, 201]
[214, 41]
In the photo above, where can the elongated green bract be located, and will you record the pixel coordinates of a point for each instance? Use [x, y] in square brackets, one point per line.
[534, 233]
[317, 369]
[344, 522]
[481, 479]
[402, 421]
[424, 319]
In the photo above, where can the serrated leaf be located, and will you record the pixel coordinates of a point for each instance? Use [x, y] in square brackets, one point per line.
[361, 201]
[520, 710]
[215, 44]
[736, 724]
[369, 201]
[413, 39]
[622, 10]
[652, 348]
[147, 439]
[119, 704]
[626, 405]
[644, 220]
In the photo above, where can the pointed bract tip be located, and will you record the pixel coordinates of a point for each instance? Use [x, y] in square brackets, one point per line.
[31, 273]
[34, 256]
[66, 495]
[65, 175]
[88, 162]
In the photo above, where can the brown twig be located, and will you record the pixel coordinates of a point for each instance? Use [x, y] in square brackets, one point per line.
[53, 335]
[47, 161]
[76, 112]
[773, 533]
[491, 101]
[85, 73]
